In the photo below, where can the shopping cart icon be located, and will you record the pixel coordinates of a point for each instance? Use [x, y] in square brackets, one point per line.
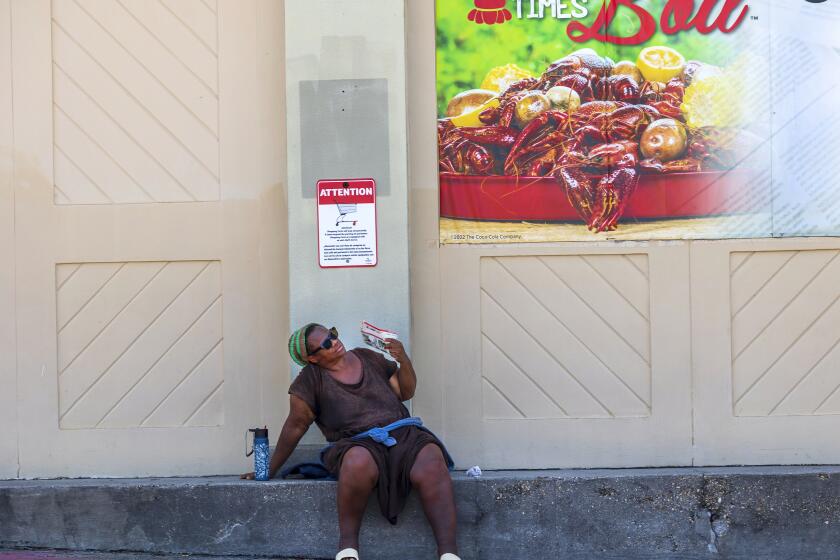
[343, 210]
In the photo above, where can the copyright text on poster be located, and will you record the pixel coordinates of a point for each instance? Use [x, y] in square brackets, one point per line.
[485, 236]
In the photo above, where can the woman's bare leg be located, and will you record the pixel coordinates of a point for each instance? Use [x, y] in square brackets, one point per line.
[356, 479]
[430, 477]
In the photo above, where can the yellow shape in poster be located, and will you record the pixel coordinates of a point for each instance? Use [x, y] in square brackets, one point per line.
[500, 77]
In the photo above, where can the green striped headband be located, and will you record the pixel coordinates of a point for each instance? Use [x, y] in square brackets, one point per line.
[297, 345]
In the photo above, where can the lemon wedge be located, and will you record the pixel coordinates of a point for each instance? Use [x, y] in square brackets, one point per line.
[470, 118]
[500, 77]
[660, 64]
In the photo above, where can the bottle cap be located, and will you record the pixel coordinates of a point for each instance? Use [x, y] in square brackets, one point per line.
[260, 432]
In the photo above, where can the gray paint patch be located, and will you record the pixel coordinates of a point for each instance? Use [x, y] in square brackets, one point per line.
[344, 132]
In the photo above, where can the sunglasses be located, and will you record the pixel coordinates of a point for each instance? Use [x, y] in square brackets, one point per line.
[332, 335]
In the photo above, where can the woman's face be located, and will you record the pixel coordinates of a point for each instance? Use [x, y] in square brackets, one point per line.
[316, 342]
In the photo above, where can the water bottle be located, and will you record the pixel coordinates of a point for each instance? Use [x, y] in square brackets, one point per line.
[260, 451]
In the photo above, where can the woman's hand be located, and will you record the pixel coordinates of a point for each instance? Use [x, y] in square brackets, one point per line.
[396, 349]
[247, 476]
[405, 380]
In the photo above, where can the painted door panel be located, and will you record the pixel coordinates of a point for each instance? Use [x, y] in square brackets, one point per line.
[568, 356]
[147, 261]
[766, 336]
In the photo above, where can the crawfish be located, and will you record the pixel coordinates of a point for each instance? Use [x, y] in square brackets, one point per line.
[466, 157]
[624, 123]
[592, 108]
[525, 84]
[501, 136]
[601, 204]
[592, 111]
[620, 87]
[505, 112]
[623, 153]
[567, 151]
[460, 152]
[581, 72]
[667, 99]
[581, 63]
[583, 85]
[540, 135]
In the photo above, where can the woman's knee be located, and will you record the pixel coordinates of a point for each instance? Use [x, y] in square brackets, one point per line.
[358, 465]
[429, 467]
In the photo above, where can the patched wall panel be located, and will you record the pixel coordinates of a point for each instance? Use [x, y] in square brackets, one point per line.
[565, 336]
[135, 101]
[139, 344]
[785, 310]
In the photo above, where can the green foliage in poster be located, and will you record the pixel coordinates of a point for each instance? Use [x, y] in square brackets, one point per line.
[467, 51]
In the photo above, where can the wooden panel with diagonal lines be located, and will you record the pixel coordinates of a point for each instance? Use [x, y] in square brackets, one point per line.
[565, 336]
[139, 344]
[135, 101]
[785, 309]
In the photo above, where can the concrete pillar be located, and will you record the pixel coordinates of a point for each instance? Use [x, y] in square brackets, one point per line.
[346, 115]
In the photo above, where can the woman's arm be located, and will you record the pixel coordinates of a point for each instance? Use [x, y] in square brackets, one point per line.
[406, 379]
[299, 419]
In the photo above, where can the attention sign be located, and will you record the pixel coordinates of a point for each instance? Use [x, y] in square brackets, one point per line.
[347, 223]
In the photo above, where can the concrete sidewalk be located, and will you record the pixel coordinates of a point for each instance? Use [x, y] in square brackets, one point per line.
[64, 555]
[737, 513]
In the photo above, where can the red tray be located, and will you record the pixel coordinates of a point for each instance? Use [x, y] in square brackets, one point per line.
[499, 197]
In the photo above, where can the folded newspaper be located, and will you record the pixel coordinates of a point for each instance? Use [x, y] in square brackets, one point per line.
[376, 337]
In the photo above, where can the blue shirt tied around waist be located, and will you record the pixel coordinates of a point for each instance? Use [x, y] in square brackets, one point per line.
[383, 435]
[379, 435]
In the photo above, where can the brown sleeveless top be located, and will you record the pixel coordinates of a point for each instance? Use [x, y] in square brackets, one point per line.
[343, 410]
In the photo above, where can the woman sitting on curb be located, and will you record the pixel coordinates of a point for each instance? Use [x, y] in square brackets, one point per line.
[351, 396]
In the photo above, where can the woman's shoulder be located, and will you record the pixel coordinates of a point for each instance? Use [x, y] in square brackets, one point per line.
[307, 386]
[308, 370]
[308, 375]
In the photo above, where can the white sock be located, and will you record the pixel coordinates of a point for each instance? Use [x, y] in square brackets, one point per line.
[450, 556]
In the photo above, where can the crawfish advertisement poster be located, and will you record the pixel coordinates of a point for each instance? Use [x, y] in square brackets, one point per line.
[581, 120]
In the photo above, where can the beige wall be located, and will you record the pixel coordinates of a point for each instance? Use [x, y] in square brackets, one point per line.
[144, 293]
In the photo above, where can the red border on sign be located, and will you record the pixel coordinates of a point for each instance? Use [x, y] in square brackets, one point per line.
[318, 222]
